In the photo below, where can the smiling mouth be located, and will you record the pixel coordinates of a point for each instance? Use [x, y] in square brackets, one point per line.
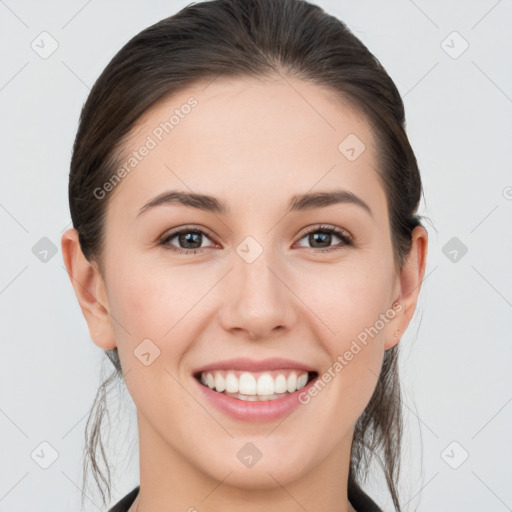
[255, 386]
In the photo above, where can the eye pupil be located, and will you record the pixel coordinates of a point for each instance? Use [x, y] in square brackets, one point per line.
[189, 237]
[322, 237]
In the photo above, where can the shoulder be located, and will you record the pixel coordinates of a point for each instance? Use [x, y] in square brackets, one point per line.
[125, 503]
[360, 500]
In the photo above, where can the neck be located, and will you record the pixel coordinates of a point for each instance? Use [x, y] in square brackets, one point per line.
[168, 481]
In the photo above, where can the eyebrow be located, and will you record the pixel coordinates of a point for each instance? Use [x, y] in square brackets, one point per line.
[298, 202]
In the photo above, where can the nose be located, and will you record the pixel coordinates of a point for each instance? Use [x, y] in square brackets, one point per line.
[259, 301]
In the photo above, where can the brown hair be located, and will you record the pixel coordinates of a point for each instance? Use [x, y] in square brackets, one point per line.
[236, 38]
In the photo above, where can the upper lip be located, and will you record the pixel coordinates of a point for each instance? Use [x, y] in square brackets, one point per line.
[251, 365]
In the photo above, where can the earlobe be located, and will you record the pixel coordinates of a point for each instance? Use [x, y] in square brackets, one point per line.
[89, 290]
[411, 278]
[394, 340]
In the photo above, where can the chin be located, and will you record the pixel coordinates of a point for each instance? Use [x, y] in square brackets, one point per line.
[261, 477]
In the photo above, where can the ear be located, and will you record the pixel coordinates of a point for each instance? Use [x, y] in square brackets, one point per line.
[89, 289]
[411, 278]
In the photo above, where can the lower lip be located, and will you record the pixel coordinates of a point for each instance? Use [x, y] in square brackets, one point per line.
[257, 411]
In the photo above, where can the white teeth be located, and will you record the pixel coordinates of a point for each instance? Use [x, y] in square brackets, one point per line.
[247, 384]
[269, 384]
[220, 382]
[280, 384]
[257, 398]
[291, 383]
[265, 385]
[231, 383]
[302, 381]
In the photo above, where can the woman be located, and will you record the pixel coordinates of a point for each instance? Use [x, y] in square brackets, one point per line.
[246, 248]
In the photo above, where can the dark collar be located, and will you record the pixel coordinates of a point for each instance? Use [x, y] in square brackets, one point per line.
[357, 497]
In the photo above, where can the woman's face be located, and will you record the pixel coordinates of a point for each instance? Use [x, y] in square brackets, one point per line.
[262, 281]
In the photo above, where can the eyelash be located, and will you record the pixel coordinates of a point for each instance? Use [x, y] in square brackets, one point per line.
[342, 234]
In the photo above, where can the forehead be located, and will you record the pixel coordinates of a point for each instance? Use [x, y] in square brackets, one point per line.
[250, 141]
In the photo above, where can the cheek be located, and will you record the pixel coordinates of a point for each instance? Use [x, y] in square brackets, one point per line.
[355, 306]
[144, 310]
[150, 301]
[350, 301]
[351, 309]
[150, 305]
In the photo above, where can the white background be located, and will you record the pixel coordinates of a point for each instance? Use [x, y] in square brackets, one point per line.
[456, 355]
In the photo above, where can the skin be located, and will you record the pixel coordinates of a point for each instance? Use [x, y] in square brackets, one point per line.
[252, 144]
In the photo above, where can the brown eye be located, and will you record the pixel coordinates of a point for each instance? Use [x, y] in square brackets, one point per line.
[322, 237]
[188, 240]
